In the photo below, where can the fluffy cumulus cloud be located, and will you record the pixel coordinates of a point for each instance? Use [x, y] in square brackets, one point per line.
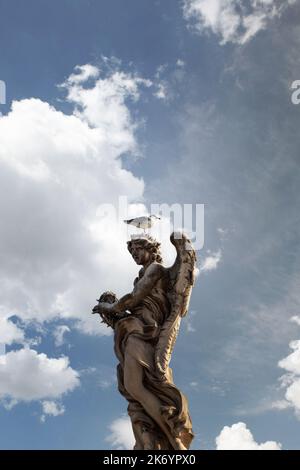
[61, 176]
[121, 435]
[239, 437]
[27, 376]
[64, 193]
[233, 21]
[291, 380]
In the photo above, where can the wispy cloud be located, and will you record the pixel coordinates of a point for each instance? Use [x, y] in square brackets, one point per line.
[59, 334]
[296, 319]
[51, 408]
[211, 262]
[233, 21]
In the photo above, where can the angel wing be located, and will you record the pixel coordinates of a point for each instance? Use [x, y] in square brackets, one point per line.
[181, 280]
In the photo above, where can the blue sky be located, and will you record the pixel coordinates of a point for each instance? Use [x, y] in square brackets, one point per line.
[162, 101]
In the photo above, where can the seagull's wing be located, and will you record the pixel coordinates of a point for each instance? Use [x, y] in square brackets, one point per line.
[140, 222]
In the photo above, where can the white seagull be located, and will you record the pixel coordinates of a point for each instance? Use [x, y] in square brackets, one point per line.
[143, 222]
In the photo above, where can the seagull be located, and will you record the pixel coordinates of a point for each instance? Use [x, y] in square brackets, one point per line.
[143, 222]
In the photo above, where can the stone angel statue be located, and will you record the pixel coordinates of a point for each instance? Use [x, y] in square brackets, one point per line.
[146, 323]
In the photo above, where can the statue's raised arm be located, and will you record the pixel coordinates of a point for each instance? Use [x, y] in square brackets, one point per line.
[146, 323]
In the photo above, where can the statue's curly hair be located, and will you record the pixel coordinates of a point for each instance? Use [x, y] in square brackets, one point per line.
[149, 244]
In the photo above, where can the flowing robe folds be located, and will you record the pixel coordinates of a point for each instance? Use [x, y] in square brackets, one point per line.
[138, 335]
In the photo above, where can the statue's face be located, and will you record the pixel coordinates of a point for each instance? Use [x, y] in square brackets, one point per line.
[139, 254]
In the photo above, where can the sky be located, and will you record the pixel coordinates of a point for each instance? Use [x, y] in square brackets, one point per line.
[162, 101]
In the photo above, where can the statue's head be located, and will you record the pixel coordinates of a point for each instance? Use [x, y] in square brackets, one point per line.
[144, 250]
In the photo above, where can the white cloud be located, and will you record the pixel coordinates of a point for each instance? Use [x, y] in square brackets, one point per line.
[82, 74]
[211, 262]
[104, 384]
[121, 434]
[59, 334]
[296, 319]
[291, 380]
[194, 384]
[9, 332]
[26, 375]
[180, 63]
[59, 249]
[293, 395]
[239, 437]
[51, 408]
[190, 328]
[161, 91]
[292, 362]
[233, 21]
[278, 405]
[104, 106]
